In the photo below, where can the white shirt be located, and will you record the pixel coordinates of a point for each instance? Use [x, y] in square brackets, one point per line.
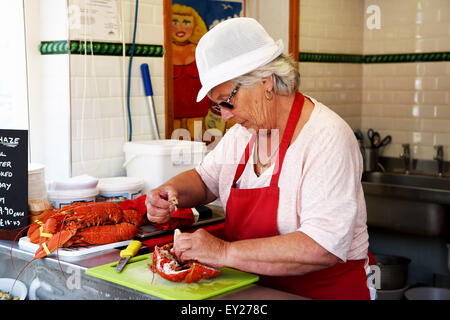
[320, 182]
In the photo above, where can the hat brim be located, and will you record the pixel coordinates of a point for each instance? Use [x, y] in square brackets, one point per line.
[229, 70]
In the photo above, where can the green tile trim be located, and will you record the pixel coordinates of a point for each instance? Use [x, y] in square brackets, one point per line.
[408, 57]
[54, 47]
[374, 58]
[330, 57]
[99, 48]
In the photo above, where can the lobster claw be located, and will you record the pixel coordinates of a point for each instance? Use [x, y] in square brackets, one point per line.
[56, 241]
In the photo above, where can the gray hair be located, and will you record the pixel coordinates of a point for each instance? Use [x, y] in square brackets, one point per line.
[286, 78]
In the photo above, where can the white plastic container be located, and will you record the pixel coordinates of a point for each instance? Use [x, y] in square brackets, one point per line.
[64, 198]
[119, 188]
[156, 161]
[77, 189]
[36, 181]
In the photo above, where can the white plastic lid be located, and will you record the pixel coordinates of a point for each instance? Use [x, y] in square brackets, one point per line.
[72, 194]
[158, 147]
[120, 184]
[75, 183]
[35, 167]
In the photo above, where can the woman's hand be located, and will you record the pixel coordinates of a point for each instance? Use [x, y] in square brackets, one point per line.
[159, 208]
[201, 246]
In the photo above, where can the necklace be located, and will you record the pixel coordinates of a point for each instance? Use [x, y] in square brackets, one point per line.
[269, 161]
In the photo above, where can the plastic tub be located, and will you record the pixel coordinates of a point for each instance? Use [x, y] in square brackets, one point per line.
[119, 188]
[75, 183]
[36, 181]
[156, 161]
[60, 199]
[77, 189]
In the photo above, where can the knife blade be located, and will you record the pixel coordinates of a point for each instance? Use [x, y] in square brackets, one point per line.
[125, 255]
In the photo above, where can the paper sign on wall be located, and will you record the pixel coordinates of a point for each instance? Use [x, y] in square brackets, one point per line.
[94, 20]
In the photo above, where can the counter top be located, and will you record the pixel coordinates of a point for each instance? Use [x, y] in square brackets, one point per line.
[46, 280]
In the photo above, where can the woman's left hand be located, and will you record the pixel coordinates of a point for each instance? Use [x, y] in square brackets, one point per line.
[201, 246]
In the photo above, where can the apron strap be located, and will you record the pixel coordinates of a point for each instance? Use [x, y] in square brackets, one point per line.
[294, 115]
[291, 124]
[244, 159]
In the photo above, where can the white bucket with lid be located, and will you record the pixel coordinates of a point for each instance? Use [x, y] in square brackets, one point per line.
[36, 181]
[119, 188]
[77, 189]
[156, 161]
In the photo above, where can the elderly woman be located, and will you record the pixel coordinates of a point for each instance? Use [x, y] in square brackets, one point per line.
[295, 214]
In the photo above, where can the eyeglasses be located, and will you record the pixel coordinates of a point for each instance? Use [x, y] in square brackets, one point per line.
[226, 103]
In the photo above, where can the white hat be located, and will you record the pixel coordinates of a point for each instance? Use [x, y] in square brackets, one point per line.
[231, 49]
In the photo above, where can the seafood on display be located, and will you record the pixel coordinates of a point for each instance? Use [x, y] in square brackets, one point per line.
[83, 224]
[167, 266]
[174, 201]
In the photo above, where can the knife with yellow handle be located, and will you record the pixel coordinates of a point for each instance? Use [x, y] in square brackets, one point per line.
[126, 254]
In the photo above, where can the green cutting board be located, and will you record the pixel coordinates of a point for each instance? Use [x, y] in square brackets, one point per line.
[137, 275]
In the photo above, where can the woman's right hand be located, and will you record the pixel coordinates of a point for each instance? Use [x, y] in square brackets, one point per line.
[159, 208]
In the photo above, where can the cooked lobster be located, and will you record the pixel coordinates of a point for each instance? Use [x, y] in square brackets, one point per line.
[167, 266]
[82, 224]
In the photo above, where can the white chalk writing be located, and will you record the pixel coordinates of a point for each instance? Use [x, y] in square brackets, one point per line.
[7, 174]
[5, 185]
[9, 141]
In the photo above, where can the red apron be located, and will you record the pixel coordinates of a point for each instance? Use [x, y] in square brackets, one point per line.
[252, 213]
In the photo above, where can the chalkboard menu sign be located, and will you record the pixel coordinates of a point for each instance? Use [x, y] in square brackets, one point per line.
[13, 181]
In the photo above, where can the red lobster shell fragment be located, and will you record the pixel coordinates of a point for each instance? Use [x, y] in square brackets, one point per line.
[168, 267]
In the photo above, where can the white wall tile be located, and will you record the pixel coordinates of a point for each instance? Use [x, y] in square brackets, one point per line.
[100, 83]
[409, 26]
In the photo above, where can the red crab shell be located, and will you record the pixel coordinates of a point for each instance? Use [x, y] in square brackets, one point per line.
[168, 267]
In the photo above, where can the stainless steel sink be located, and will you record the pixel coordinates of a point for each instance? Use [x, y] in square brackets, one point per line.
[415, 204]
[407, 186]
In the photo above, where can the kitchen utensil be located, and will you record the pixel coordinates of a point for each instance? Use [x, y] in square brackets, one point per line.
[394, 271]
[374, 138]
[371, 159]
[138, 276]
[149, 93]
[127, 254]
[386, 140]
